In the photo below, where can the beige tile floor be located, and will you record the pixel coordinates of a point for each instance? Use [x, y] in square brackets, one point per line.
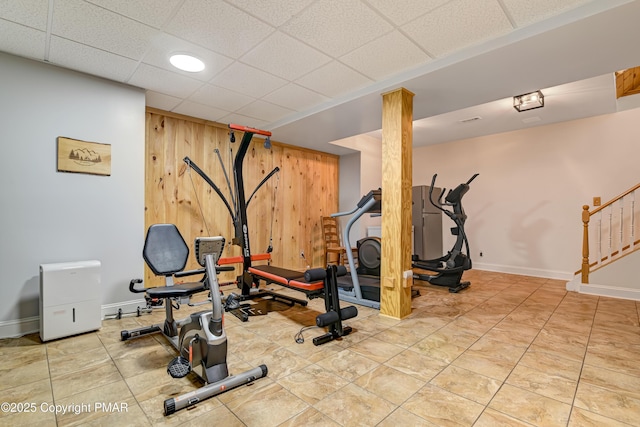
[509, 351]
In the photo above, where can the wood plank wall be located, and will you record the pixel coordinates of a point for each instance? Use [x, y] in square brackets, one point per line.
[307, 188]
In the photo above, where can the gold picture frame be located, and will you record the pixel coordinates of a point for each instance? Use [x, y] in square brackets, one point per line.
[84, 157]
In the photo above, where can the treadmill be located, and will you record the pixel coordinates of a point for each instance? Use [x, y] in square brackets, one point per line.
[362, 289]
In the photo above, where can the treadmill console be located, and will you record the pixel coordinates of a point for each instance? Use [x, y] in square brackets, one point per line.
[377, 196]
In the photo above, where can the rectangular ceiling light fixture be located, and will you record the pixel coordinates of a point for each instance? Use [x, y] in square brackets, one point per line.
[528, 101]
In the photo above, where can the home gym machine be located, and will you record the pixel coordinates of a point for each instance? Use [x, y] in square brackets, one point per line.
[238, 215]
[200, 338]
[314, 283]
[361, 286]
[450, 267]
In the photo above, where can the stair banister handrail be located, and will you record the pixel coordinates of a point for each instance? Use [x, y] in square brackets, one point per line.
[586, 215]
[615, 199]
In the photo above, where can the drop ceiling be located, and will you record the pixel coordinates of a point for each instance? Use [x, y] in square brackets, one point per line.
[313, 71]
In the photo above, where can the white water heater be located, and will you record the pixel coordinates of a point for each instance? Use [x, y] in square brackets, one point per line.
[70, 299]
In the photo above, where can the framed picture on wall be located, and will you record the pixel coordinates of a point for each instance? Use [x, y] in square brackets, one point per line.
[83, 157]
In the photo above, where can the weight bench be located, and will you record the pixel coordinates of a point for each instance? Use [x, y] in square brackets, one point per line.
[314, 283]
[289, 279]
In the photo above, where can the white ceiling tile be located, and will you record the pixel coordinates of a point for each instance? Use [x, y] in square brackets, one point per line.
[240, 119]
[248, 80]
[275, 12]
[164, 45]
[215, 96]
[334, 79]
[91, 25]
[200, 111]
[458, 24]
[285, 57]
[264, 111]
[32, 13]
[528, 12]
[218, 26]
[163, 81]
[89, 60]
[161, 101]
[385, 56]
[21, 40]
[150, 12]
[402, 12]
[337, 26]
[295, 97]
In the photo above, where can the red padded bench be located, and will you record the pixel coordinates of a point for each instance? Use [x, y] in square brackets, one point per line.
[288, 278]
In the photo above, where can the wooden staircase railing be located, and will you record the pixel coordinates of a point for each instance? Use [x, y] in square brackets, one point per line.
[614, 226]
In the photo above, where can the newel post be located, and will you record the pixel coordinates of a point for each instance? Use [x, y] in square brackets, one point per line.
[585, 244]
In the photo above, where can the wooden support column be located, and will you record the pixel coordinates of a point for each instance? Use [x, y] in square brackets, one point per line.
[397, 139]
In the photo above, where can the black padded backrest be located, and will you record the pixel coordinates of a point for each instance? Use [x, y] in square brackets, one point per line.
[165, 251]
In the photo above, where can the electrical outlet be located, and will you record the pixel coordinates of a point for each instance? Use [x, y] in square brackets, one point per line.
[597, 201]
[481, 254]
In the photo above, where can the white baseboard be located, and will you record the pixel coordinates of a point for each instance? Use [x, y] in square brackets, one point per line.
[603, 290]
[523, 271]
[29, 325]
[19, 327]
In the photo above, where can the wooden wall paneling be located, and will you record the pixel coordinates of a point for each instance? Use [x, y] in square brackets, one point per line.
[219, 220]
[331, 190]
[328, 179]
[258, 163]
[154, 182]
[311, 209]
[307, 186]
[280, 207]
[154, 164]
[291, 215]
[316, 208]
[194, 186]
[181, 213]
[305, 204]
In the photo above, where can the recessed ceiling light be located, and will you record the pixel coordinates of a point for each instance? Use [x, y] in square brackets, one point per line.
[186, 63]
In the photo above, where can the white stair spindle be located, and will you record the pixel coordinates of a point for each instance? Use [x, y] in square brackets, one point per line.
[610, 232]
[633, 218]
[621, 242]
[599, 238]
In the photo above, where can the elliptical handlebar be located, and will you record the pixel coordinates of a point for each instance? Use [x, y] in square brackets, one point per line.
[472, 178]
[440, 203]
[454, 196]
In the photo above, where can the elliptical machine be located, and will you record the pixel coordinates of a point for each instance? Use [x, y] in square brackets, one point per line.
[450, 267]
[200, 338]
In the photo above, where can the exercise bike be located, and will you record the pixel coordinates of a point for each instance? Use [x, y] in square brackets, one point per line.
[450, 267]
[200, 338]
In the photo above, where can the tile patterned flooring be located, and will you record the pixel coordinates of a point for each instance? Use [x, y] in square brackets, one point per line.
[509, 351]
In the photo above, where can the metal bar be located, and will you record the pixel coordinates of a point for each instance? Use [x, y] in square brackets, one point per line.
[204, 176]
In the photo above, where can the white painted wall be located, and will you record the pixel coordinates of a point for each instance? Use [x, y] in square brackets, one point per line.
[525, 207]
[524, 210]
[360, 173]
[618, 279]
[625, 270]
[49, 216]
